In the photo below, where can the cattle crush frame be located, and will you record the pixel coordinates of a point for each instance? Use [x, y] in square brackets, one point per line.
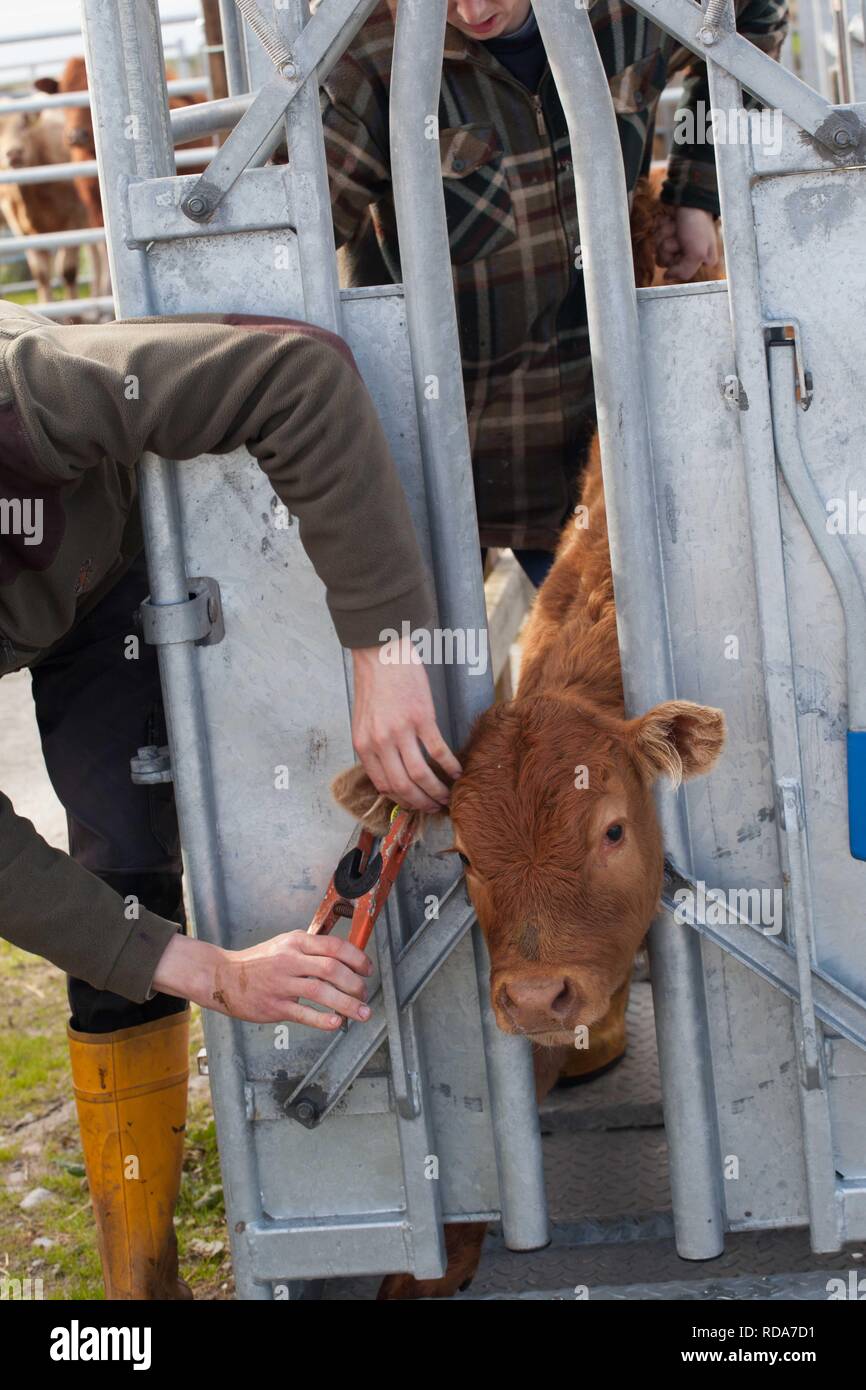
[343, 1157]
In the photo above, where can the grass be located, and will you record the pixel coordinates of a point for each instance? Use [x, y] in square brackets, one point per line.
[40, 1147]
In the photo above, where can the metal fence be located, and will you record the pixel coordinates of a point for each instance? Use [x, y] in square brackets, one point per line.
[12, 246]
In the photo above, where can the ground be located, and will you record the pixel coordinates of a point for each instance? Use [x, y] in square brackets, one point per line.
[39, 1146]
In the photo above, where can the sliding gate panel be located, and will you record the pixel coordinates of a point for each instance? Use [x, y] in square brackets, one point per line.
[341, 1155]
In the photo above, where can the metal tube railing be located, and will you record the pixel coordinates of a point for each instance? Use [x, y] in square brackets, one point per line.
[72, 308]
[426, 264]
[642, 619]
[13, 246]
[89, 169]
[190, 17]
[50, 101]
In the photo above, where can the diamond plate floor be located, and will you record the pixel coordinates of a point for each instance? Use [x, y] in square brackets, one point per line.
[606, 1169]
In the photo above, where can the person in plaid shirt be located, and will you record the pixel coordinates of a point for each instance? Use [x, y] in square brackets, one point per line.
[513, 226]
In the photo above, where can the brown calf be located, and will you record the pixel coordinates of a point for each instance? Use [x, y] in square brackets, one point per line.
[81, 145]
[28, 139]
[553, 816]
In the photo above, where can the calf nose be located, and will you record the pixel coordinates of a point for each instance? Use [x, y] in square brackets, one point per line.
[539, 1005]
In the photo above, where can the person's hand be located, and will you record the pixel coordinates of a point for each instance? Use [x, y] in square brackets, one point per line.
[686, 239]
[393, 716]
[263, 984]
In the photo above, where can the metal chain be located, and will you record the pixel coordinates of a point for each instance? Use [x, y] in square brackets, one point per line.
[279, 54]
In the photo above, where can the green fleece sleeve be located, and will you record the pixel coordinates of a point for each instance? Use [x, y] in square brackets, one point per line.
[200, 385]
[53, 907]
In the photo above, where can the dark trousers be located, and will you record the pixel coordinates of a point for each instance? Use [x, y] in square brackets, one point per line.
[95, 708]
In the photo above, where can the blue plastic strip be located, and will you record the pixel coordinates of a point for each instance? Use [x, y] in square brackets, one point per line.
[857, 792]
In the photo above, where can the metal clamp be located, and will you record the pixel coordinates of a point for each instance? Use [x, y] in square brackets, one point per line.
[150, 766]
[198, 619]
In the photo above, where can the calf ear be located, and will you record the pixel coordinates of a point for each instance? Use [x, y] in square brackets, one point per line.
[678, 740]
[47, 84]
[354, 791]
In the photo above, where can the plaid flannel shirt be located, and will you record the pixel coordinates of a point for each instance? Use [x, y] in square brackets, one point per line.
[514, 234]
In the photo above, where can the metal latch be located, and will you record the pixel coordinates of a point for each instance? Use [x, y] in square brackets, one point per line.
[150, 766]
[788, 331]
[198, 619]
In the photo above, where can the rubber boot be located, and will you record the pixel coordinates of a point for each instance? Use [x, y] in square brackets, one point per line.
[607, 1043]
[130, 1093]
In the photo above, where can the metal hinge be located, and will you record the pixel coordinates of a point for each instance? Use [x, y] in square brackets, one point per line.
[151, 765]
[198, 619]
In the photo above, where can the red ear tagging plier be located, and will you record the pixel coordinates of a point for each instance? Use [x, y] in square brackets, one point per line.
[362, 880]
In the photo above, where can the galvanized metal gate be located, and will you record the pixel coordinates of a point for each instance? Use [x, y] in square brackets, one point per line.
[729, 591]
[738, 414]
[440, 1121]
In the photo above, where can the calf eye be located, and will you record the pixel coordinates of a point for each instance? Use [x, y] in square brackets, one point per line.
[613, 833]
[463, 859]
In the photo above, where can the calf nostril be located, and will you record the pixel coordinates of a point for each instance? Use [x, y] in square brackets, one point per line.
[534, 999]
[563, 1001]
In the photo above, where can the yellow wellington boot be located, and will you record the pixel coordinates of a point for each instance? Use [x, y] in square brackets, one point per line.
[130, 1092]
[607, 1041]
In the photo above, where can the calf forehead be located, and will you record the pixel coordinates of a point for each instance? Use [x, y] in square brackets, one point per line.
[534, 806]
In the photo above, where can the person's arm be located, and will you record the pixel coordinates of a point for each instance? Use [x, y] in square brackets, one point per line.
[293, 396]
[53, 907]
[688, 238]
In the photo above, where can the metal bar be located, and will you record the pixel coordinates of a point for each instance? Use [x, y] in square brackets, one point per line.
[186, 18]
[124, 52]
[843, 50]
[426, 266]
[207, 117]
[757, 72]
[316, 45]
[833, 549]
[771, 959]
[735, 171]
[427, 948]
[12, 246]
[89, 168]
[642, 620]
[311, 199]
[185, 86]
[71, 308]
[235, 55]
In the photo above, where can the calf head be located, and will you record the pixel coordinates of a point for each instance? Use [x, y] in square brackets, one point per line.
[18, 140]
[554, 822]
[78, 121]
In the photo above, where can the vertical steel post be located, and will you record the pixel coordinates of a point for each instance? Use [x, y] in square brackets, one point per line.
[233, 48]
[642, 620]
[735, 169]
[426, 265]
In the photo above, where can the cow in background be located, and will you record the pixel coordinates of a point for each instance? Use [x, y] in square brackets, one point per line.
[28, 139]
[80, 141]
[86, 189]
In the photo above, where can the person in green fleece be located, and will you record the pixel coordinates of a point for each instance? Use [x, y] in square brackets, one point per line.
[71, 578]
